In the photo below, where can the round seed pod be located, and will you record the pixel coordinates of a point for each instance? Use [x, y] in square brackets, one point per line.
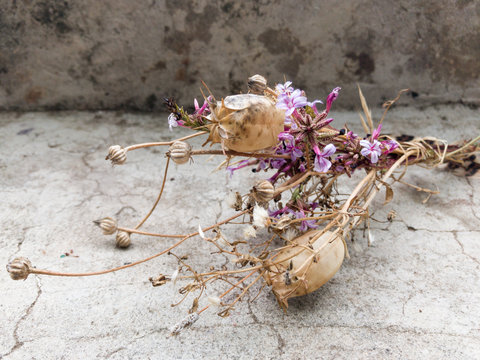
[180, 152]
[19, 268]
[245, 122]
[257, 84]
[108, 225]
[263, 191]
[308, 269]
[117, 155]
[123, 239]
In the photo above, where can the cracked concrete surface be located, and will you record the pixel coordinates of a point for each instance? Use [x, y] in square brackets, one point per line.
[414, 293]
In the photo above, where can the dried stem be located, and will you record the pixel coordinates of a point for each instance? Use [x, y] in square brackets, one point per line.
[165, 143]
[54, 273]
[158, 197]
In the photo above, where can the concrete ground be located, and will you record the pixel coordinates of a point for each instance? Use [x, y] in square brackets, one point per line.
[415, 293]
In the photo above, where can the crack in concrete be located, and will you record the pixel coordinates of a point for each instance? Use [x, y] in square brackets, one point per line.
[411, 228]
[280, 340]
[18, 343]
[455, 236]
[125, 347]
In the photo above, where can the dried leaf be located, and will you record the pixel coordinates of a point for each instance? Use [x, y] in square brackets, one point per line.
[388, 193]
[194, 306]
[367, 112]
[364, 124]
[224, 313]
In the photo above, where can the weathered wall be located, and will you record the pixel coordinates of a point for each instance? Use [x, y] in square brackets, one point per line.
[124, 54]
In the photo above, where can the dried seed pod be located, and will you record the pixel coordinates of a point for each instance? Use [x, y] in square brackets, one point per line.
[158, 280]
[263, 191]
[180, 152]
[392, 214]
[257, 84]
[123, 239]
[184, 323]
[245, 123]
[108, 225]
[19, 268]
[308, 269]
[282, 223]
[117, 155]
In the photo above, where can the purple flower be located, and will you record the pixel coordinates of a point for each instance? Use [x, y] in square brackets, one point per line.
[351, 136]
[284, 88]
[376, 132]
[172, 121]
[285, 136]
[277, 163]
[240, 165]
[290, 102]
[388, 146]
[313, 106]
[331, 98]
[322, 164]
[305, 224]
[371, 149]
[295, 153]
[200, 110]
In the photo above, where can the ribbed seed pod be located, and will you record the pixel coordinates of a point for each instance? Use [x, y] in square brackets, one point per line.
[180, 152]
[19, 268]
[117, 155]
[123, 239]
[257, 84]
[108, 225]
[308, 269]
[263, 191]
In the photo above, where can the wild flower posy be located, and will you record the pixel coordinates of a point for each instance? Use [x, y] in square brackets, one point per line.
[310, 142]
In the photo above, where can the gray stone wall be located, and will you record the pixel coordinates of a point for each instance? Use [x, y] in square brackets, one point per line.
[124, 54]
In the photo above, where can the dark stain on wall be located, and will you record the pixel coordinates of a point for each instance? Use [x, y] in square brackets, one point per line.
[53, 14]
[279, 41]
[361, 65]
[197, 28]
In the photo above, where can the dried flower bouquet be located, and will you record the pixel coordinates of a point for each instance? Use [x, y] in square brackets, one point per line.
[308, 222]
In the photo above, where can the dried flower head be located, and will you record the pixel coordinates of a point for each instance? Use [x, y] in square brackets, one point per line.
[257, 84]
[263, 191]
[180, 152]
[123, 239]
[290, 234]
[392, 214]
[158, 280]
[234, 200]
[108, 225]
[184, 323]
[117, 155]
[260, 217]
[214, 300]
[249, 232]
[19, 268]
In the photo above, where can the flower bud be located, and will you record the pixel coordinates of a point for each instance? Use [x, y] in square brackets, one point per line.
[19, 268]
[180, 152]
[108, 225]
[257, 84]
[263, 191]
[117, 155]
[123, 239]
